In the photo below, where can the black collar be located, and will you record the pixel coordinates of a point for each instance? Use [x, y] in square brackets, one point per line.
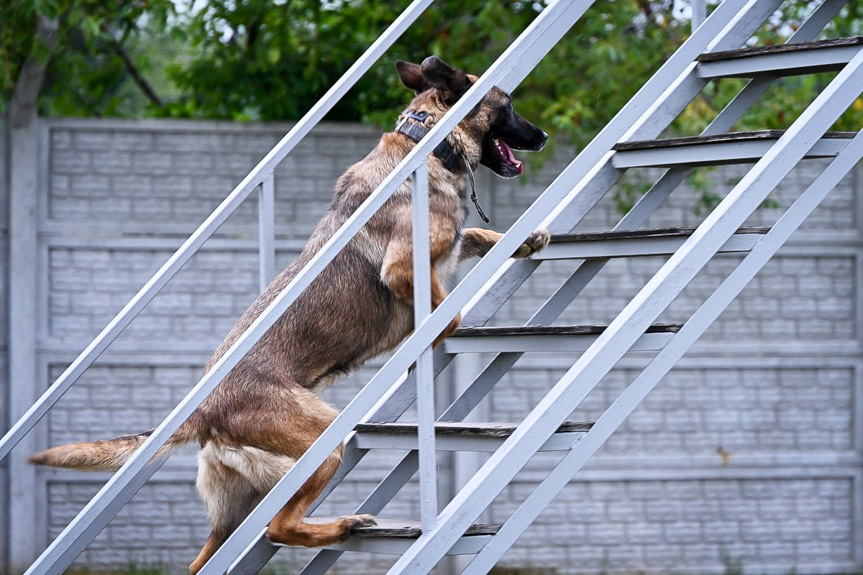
[416, 131]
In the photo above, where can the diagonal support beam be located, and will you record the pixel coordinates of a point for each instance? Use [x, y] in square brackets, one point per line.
[633, 320]
[402, 472]
[635, 393]
[511, 68]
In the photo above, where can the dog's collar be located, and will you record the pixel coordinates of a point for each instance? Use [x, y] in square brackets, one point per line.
[416, 131]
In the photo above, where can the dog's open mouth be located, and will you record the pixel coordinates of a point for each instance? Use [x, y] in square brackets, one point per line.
[497, 155]
[504, 153]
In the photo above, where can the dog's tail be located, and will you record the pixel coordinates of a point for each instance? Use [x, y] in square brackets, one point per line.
[108, 454]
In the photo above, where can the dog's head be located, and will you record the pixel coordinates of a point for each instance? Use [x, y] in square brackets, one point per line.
[489, 133]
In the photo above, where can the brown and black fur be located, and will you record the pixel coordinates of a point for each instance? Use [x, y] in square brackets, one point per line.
[267, 412]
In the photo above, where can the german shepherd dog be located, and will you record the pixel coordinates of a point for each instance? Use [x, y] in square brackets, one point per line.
[267, 412]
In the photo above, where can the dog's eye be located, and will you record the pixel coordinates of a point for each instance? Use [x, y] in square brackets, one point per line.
[501, 113]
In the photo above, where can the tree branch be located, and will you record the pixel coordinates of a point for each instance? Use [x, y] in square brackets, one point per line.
[22, 106]
[132, 69]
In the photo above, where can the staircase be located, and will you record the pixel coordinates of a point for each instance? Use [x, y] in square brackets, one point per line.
[631, 140]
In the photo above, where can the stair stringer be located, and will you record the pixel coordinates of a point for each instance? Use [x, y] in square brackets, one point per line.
[692, 87]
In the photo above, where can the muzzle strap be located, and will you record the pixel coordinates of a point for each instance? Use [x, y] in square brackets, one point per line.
[473, 195]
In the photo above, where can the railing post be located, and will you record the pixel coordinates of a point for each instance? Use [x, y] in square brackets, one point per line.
[424, 365]
[699, 13]
[38, 410]
[266, 232]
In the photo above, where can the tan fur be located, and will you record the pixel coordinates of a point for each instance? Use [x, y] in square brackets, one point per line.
[105, 454]
[267, 412]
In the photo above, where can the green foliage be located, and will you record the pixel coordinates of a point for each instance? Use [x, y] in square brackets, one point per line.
[89, 63]
[273, 59]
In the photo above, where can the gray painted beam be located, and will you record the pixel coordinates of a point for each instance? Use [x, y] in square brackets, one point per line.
[266, 232]
[22, 314]
[643, 309]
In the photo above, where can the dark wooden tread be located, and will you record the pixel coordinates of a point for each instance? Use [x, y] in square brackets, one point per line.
[647, 233]
[780, 49]
[747, 136]
[403, 528]
[529, 330]
[462, 429]
[408, 529]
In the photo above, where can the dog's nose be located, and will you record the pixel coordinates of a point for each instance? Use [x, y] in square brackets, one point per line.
[544, 139]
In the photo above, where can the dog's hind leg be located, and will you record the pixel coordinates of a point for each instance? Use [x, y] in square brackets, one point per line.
[289, 526]
[308, 420]
[280, 429]
[228, 497]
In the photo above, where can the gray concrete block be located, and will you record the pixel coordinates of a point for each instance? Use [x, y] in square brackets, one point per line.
[177, 175]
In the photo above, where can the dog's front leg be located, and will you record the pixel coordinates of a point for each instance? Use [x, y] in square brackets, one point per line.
[476, 242]
[398, 275]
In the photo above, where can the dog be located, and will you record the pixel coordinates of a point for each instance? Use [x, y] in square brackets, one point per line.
[267, 412]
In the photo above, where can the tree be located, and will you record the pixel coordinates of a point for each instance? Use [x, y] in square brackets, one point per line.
[88, 62]
[273, 59]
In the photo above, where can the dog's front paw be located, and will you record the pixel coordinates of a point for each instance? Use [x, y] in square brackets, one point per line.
[353, 522]
[361, 520]
[536, 241]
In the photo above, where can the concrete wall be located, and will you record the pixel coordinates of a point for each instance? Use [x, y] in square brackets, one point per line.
[748, 453]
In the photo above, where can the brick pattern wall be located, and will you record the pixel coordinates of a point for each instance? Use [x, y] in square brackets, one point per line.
[747, 454]
[697, 411]
[689, 526]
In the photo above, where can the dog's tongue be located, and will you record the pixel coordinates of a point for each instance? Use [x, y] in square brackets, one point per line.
[507, 155]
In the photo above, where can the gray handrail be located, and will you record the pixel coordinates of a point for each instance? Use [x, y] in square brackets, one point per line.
[260, 175]
[508, 71]
[518, 60]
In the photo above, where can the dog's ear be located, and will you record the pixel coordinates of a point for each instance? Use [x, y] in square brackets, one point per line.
[445, 77]
[411, 76]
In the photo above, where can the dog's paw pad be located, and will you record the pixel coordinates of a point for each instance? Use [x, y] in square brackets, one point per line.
[354, 522]
[358, 521]
[535, 242]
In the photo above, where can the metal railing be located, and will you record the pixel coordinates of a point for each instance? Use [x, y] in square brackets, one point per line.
[260, 176]
[484, 288]
[555, 201]
[507, 72]
[559, 301]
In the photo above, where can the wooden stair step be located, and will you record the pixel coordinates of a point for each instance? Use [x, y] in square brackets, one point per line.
[780, 60]
[538, 338]
[459, 436]
[638, 243]
[716, 149]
